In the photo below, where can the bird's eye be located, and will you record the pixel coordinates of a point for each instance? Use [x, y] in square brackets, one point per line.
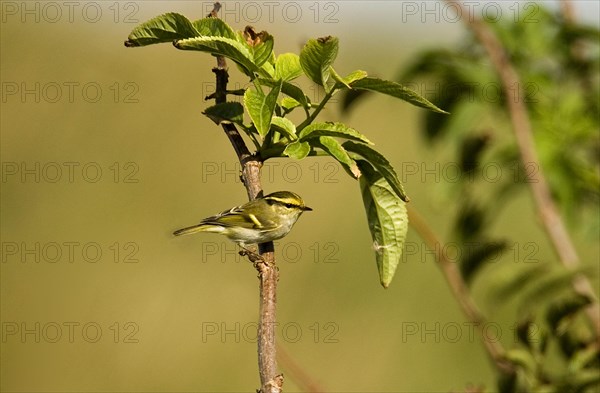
[289, 205]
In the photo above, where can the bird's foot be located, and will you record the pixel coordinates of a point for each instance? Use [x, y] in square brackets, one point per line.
[253, 256]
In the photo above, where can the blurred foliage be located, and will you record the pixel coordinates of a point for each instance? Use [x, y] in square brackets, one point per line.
[558, 64]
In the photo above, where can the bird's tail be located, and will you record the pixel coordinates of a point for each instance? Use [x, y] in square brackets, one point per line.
[197, 228]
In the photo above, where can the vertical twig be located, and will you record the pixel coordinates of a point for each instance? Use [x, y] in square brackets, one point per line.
[566, 9]
[268, 274]
[547, 210]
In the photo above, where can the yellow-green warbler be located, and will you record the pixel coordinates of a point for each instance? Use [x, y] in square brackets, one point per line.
[261, 220]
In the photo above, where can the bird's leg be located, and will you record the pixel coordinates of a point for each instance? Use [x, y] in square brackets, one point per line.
[254, 257]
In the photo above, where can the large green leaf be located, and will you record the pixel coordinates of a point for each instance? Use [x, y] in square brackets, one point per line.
[551, 285]
[287, 67]
[395, 90]
[380, 163]
[222, 46]
[227, 111]
[296, 93]
[260, 107]
[268, 69]
[478, 254]
[263, 51]
[214, 27]
[297, 150]
[388, 220]
[316, 57]
[352, 77]
[507, 287]
[332, 147]
[290, 90]
[564, 308]
[584, 379]
[339, 130]
[583, 358]
[163, 28]
[260, 45]
[522, 358]
[284, 126]
[288, 104]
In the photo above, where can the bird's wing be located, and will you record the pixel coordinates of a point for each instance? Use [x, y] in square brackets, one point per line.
[237, 217]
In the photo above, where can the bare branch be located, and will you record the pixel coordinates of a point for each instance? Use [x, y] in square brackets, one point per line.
[268, 274]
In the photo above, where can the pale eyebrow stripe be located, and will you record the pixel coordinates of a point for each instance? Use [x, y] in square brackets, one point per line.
[284, 201]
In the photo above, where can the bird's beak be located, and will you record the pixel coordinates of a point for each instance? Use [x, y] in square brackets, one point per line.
[306, 209]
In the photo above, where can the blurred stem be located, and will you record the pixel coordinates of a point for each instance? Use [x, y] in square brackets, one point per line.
[547, 210]
[296, 373]
[267, 271]
[566, 9]
[459, 289]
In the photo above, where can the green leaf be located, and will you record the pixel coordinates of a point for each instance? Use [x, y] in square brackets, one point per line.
[584, 379]
[395, 90]
[513, 382]
[268, 69]
[287, 67]
[352, 77]
[562, 309]
[472, 148]
[288, 103]
[227, 47]
[214, 27]
[296, 93]
[163, 28]
[380, 163]
[388, 220]
[297, 150]
[289, 90]
[583, 358]
[471, 219]
[228, 111]
[477, 255]
[550, 285]
[339, 79]
[355, 76]
[350, 97]
[335, 149]
[506, 289]
[339, 130]
[316, 57]
[285, 126]
[532, 335]
[260, 45]
[522, 358]
[260, 107]
[262, 51]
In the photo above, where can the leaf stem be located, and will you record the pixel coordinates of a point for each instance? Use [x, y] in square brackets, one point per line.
[314, 115]
[257, 85]
[273, 151]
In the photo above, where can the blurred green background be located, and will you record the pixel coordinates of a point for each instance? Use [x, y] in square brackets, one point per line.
[105, 152]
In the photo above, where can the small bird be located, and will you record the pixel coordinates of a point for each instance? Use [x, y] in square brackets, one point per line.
[259, 221]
